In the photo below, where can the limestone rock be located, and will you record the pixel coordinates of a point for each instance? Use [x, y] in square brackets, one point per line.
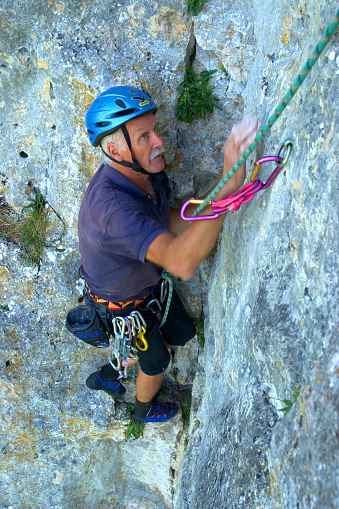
[268, 292]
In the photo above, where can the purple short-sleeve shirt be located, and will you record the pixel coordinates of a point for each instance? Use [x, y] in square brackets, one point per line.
[117, 224]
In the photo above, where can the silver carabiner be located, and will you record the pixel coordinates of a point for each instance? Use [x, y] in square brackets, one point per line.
[115, 330]
[139, 319]
[115, 360]
[132, 324]
[163, 290]
[121, 325]
[288, 145]
[136, 321]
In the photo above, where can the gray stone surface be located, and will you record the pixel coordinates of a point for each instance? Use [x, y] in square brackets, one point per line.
[273, 299]
[269, 292]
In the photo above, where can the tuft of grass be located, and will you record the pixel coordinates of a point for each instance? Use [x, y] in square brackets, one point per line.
[10, 227]
[34, 228]
[30, 228]
[133, 428]
[195, 6]
[27, 229]
[196, 95]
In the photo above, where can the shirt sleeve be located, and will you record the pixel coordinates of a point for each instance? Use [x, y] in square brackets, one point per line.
[129, 232]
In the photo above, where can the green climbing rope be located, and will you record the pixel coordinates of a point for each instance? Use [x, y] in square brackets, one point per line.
[280, 108]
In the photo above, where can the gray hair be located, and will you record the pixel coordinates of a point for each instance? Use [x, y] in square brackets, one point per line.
[117, 138]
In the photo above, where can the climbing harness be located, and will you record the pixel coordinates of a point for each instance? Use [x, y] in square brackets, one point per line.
[94, 324]
[246, 193]
[280, 108]
[113, 306]
[129, 331]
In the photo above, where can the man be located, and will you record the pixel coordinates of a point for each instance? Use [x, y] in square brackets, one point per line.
[128, 233]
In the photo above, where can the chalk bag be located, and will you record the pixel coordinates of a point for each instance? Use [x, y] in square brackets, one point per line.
[84, 322]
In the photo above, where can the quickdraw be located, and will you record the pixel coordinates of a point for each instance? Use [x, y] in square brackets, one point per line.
[129, 331]
[246, 193]
[279, 109]
[128, 337]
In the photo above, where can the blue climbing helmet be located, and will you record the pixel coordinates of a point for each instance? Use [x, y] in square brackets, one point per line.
[111, 110]
[114, 108]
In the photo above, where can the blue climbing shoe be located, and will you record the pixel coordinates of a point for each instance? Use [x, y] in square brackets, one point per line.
[114, 388]
[159, 412]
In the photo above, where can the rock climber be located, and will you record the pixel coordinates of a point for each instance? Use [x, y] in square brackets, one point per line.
[128, 234]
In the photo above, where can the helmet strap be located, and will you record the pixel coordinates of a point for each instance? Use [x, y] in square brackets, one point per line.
[134, 165]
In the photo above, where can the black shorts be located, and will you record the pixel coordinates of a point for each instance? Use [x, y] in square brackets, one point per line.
[176, 331]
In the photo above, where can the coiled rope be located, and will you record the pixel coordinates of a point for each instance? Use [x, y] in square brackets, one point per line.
[280, 108]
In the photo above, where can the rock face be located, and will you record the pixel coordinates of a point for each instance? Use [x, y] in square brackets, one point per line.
[272, 305]
[263, 430]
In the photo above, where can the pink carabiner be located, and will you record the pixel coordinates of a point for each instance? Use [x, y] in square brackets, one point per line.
[259, 162]
[196, 218]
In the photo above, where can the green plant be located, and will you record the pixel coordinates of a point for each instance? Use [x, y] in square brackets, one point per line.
[133, 429]
[224, 71]
[34, 228]
[196, 99]
[199, 325]
[288, 402]
[29, 228]
[195, 6]
[185, 400]
[10, 228]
